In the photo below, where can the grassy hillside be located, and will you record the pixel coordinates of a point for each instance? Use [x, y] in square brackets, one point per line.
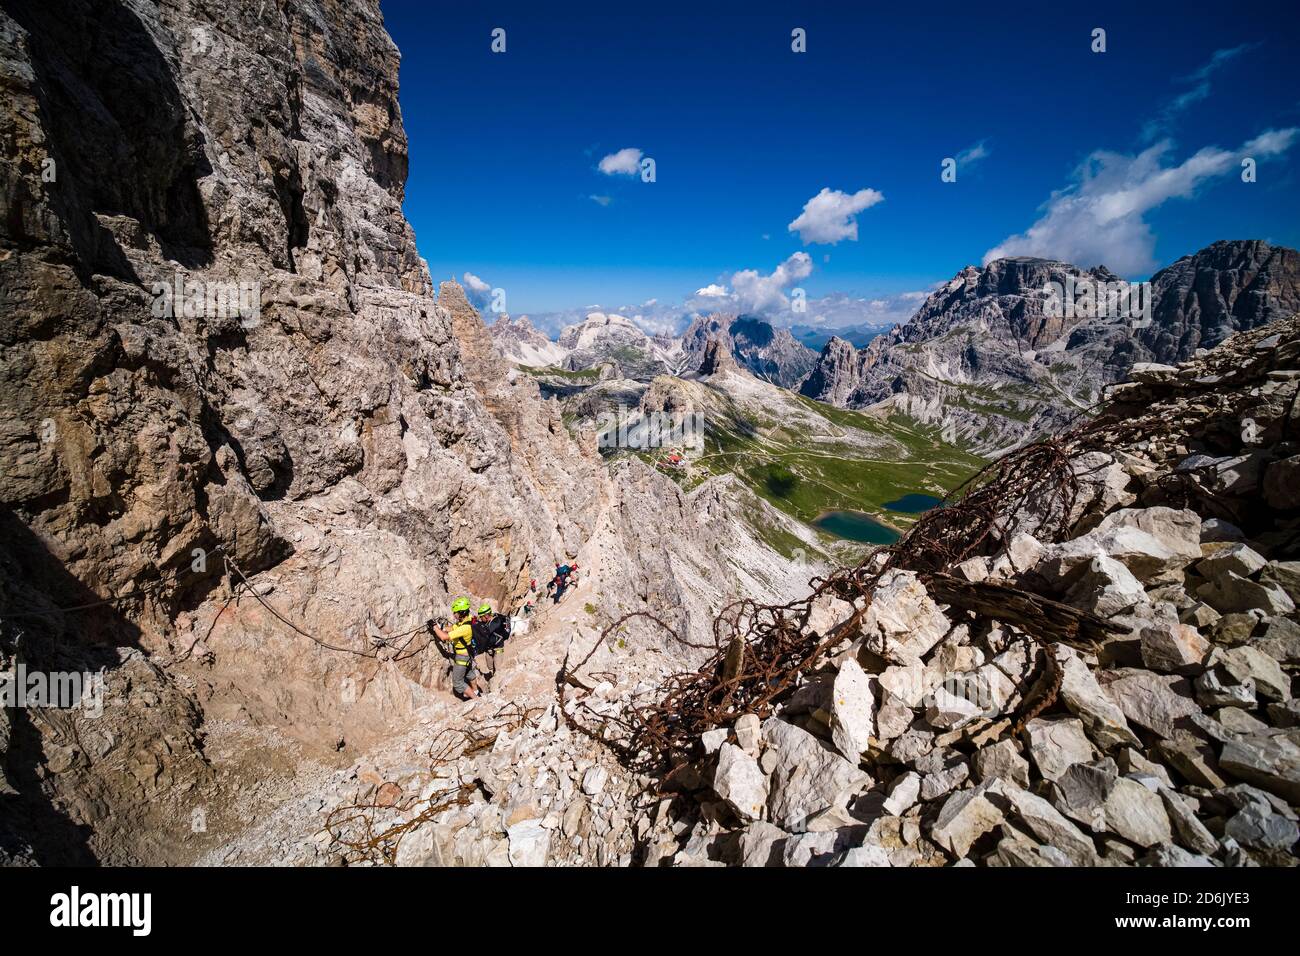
[807, 458]
[805, 472]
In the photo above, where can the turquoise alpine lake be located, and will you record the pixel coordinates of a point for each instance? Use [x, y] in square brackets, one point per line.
[914, 503]
[856, 526]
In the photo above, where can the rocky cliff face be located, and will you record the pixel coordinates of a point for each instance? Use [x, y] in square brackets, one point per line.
[837, 375]
[1202, 299]
[995, 357]
[716, 358]
[154, 428]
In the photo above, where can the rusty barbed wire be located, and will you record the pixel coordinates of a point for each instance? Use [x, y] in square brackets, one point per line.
[356, 831]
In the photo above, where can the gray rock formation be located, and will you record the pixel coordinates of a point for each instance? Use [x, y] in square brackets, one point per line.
[602, 338]
[770, 353]
[1203, 298]
[717, 358]
[520, 342]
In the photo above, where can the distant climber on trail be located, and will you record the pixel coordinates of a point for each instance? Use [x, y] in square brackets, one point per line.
[564, 577]
[465, 679]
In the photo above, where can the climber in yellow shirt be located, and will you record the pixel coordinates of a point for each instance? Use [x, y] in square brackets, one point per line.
[465, 680]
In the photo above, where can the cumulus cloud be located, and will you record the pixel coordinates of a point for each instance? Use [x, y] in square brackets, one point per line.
[477, 290]
[626, 162]
[1099, 218]
[831, 215]
[753, 292]
[712, 291]
[766, 293]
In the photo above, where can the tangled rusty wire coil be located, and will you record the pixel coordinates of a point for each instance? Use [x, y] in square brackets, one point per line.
[760, 650]
[373, 832]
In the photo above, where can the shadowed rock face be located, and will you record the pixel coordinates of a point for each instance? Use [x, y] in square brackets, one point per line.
[988, 360]
[1227, 287]
[115, 123]
[717, 358]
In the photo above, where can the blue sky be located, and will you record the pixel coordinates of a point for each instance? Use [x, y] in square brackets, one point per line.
[744, 132]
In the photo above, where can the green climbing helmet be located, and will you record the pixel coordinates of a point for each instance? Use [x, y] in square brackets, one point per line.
[460, 605]
[485, 608]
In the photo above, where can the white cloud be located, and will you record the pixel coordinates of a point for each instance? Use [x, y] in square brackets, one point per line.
[839, 310]
[1199, 91]
[1098, 219]
[831, 215]
[760, 293]
[626, 162]
[1271, 143]
[752, 292]
[657, 324]
[603, 200]
[971, 155]
[477, 291]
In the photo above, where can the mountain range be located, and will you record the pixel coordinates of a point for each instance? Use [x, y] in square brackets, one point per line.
[995, 356]
[615, 342]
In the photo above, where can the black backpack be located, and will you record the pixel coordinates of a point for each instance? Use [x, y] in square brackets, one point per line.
[490, 635]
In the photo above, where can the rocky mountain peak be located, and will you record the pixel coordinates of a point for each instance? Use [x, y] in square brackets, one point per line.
[518, 340]
[836, 376]
[1203, 298]
[767, 351]
[717, 357]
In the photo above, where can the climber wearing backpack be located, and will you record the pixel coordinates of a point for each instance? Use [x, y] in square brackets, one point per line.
[561, 581]
[465, 679]
[491, 631]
